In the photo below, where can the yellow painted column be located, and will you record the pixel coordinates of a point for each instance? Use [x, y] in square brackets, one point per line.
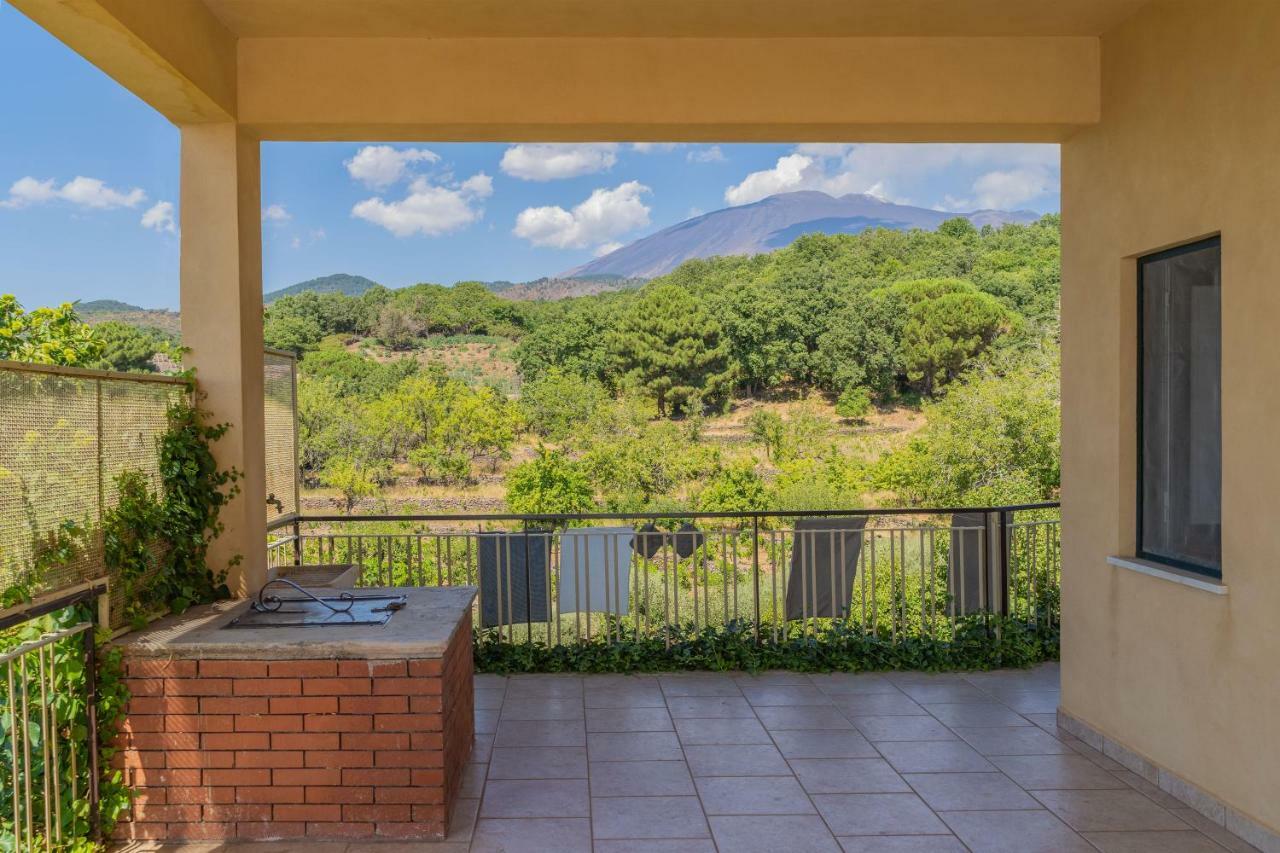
[221, 274]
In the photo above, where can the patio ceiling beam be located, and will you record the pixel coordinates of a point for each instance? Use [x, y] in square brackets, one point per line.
[174, 54]
[793, 89]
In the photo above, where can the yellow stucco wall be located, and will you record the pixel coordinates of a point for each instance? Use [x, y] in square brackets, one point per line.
[1187, 147]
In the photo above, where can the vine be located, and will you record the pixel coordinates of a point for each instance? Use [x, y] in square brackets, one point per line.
[157, 544]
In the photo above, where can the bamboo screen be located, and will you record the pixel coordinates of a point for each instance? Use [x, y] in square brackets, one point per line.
[280, 413]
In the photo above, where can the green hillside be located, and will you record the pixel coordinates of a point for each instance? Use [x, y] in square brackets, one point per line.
[347, 285]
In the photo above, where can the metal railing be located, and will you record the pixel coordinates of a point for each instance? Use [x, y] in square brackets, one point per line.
[48, 724]
[558, 579]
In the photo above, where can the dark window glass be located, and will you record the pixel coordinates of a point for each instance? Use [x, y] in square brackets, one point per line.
[1180, 422]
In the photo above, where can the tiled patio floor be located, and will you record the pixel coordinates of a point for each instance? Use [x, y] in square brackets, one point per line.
[901, 762]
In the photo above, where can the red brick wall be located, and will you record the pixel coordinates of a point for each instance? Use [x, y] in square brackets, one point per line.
[288, 749]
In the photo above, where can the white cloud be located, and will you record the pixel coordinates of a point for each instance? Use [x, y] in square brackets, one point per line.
[429, 209]
[651, 147]
[159, 217]
[1018, 172]
[706, 155]
[275, 213]
[80, 191]
[380, 166]
[554, 161]
[295, 243]
[606, 214]
[791, 172]
[605, 248]
[1002, 190]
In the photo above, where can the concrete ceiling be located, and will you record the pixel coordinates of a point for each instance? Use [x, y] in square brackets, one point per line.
[670, 18]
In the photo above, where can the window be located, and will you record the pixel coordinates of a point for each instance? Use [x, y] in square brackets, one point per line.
[1179, 408]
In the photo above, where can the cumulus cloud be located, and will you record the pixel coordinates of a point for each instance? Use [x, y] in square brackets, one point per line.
[605, 248]
[88, 193]
[606, 214]
[1006, 189]
[555, 161]
[651, 147]
[275, 213]
[429, 209]
[159, 217]
[380, 166]
[792, 172]
[706, 155]
[1017, 172]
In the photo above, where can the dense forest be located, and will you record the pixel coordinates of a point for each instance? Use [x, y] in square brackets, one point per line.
[913, 367]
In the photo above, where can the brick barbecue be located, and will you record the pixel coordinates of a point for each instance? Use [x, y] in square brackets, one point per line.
[324, 732]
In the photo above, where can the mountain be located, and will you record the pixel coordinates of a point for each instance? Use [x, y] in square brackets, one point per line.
[351, 285]
[769, 224]
[112, 310]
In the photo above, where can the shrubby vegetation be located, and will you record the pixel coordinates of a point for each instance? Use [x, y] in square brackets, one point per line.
[638, 389]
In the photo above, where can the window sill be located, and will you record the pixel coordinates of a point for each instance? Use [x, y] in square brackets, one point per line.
[1168, 573]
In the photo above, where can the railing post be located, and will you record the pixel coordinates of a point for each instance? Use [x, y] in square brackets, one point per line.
[755, 570]
[91, 710]
[1003, 599]
[297, 542]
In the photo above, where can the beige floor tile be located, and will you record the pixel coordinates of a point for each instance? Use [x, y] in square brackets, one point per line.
[848, 776]
[753, 795]
[538, 762]
[878, 814]
[628, 720]
[648, 817]
[1049, 772]
[1015, 832]
[510, 798]
[532, 836]
[969, 791]
[641, 779]
[1102, 811]
[633, 746]
[740, 760]
[757, 834]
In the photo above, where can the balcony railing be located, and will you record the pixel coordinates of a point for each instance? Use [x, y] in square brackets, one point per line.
[561, 579]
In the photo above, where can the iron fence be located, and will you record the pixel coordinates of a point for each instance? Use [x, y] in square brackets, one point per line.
[565, 578]
[49, 770]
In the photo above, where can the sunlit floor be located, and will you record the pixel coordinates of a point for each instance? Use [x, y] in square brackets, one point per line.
[901, 762]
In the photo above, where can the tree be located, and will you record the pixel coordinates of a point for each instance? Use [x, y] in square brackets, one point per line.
[941, 335]
[559, 402]
[736, 487]
[854, 403]
[994, 439]
[398, 327]
[768, 430]
[862, 344]
[353, 478]
[46, 335]
[292, 332]
[551, 482]
[129, 348]
[673, 348]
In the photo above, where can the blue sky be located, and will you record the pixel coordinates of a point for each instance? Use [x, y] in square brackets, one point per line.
[89, 191]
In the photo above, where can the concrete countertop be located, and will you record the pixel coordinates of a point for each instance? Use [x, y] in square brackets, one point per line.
[421, 630]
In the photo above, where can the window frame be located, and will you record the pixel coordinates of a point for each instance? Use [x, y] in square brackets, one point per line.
[1186, 248]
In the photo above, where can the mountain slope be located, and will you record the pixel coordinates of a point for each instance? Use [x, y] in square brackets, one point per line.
[769, 224]
[350, 285]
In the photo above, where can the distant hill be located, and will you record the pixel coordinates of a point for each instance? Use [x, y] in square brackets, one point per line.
[769, 224]
[550, 289]
[350, 285]
[111, 310]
